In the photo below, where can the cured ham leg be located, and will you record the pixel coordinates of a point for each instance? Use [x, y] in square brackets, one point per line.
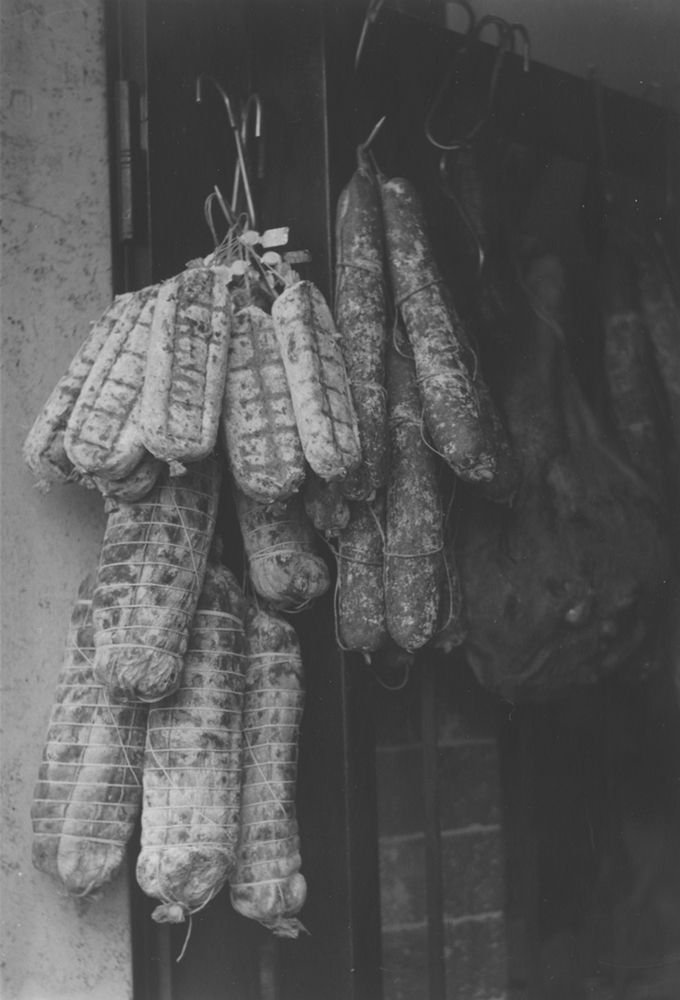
[563, 586]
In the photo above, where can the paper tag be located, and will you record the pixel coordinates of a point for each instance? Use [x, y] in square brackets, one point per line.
[275, 237]
[271, 258]
[297, 257]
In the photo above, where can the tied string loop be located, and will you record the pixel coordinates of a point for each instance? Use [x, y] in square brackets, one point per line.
[258, 767]
[222, 614]
[122, 733]
[369, 386]
[282, 549]
[341, 554]
[277, 657]
[185, 802]
[415, 291]
[361, 264]
[415, 555]
[358, 561]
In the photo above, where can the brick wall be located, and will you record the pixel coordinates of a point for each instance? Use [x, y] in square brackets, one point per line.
[471, 839]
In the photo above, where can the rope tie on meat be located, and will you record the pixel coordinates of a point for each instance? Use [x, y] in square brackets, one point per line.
[168, 912]
[281, 549]
[52, 825]
[266, 744]
[196, 729]
[156, 523]
[93, 840]
[221, 847]
[452, 576]
[414, 555]
[115, 725]
[359, 562]
[258, 766]
[421, 288]
[146, 562]
[167, 773]
[266, 802]
[156, 607]
[264, 881]
[361, 264]
[222, 614]
[372, 386]
[277, 657]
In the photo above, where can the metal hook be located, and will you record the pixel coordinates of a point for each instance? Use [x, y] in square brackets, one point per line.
[520, 29]
[255, 103]
[374, 131]
[505, 44]
[469, 33]
[450, 193]
[371, 14]
[237, 139]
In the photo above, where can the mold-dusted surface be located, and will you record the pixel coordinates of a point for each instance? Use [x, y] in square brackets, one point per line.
[56, 279]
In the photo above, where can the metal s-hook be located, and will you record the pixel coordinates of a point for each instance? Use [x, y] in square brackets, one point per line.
[506, 33]
[521, 30]
[451, 194]
[371, 14]
[504, 44]
[237, 129]
[469, 33]
[252, 105]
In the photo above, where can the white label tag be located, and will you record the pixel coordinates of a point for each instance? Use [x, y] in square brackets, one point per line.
[297, 257]
[275, 237]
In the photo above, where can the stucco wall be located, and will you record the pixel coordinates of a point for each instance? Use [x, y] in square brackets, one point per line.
[56, 278]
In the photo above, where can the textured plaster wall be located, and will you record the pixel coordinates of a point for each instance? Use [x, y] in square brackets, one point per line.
[56, 278]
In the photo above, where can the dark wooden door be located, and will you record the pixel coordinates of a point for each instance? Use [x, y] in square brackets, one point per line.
[171, 151]
[168, 153]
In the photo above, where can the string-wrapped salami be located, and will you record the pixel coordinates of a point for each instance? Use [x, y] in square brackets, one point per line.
[362, 624]
[89, 790]
[266, 884]
[186, 367]
[414, 560]
[281, 548]
[192, 762]
[317, 378]
[44, 450]
[103, 434]
[325, 504]
[150, 577]
[258, 422]
[447, 368]
[360, 316]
